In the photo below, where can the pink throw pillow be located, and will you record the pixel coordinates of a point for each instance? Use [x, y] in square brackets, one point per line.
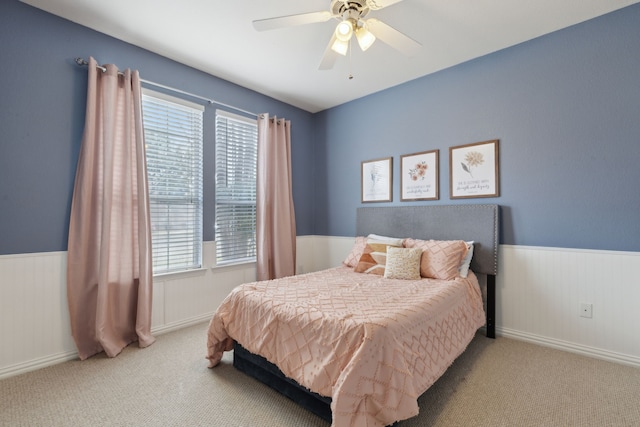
[440, 258]
[356, 252]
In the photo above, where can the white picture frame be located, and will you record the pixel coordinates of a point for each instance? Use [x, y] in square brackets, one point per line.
[376, 180]
[419, 176]
[474, 170]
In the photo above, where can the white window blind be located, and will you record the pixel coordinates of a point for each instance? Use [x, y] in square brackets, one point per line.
[173, 137]
[236, 162]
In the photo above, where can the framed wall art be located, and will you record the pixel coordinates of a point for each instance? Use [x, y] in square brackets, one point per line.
[376, 176]
[474, 170]
[419, 176]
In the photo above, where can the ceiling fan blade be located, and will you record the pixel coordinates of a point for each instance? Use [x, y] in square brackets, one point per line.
[393, 37]
[330, 56]
[291, 20]
[381, 4]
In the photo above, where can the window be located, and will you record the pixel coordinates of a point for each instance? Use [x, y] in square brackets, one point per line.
[236, 162]
[173, 137]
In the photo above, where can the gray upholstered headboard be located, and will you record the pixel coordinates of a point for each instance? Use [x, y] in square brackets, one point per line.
[479, 223]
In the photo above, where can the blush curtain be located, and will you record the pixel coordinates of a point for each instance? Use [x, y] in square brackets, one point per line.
[109, 266]
[275, 222]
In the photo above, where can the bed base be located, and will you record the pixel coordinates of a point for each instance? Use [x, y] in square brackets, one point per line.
[266, 372]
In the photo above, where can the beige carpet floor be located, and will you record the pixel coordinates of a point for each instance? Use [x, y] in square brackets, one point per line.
[501, 382]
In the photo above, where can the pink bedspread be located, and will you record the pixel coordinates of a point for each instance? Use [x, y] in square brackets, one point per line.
[373, 345]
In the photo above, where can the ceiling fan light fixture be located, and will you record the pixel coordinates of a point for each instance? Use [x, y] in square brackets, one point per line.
[344, 31]
[365, 37]
[340, 46]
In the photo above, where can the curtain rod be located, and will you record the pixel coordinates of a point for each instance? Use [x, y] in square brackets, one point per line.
[84, 62]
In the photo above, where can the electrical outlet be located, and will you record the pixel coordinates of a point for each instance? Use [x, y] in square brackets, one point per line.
[586, 310]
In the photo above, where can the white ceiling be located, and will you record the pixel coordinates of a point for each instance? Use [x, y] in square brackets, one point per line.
[217, 37]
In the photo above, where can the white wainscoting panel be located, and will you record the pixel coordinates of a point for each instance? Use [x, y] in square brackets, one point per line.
[34, 318]
[538, 297]
[305, 256]
[539, 291]
[321, 252]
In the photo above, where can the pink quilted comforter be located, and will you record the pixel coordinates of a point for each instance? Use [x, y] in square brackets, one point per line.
[373, 345]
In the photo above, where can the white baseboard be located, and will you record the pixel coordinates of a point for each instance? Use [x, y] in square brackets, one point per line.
[43, 362]
[185, 323]
[570, 347]
[39, 363]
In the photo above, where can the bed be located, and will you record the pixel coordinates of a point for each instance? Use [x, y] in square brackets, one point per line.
[358, 348]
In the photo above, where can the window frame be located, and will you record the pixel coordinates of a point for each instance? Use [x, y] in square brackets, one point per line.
[187, 243]
[240, 197]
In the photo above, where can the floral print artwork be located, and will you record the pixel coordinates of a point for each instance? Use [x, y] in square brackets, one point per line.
[420, 171]
[419, 178]
[473, 159]
[474, 170]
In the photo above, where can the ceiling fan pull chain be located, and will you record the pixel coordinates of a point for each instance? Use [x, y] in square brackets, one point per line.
[350, 62]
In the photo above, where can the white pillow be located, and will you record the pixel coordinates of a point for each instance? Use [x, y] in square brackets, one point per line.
[375, 238]
[466, 261]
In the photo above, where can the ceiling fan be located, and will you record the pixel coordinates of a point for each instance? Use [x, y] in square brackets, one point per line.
[350, 15]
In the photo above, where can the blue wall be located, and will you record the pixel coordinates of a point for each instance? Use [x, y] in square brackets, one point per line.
[42, 118]
[566, 109]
